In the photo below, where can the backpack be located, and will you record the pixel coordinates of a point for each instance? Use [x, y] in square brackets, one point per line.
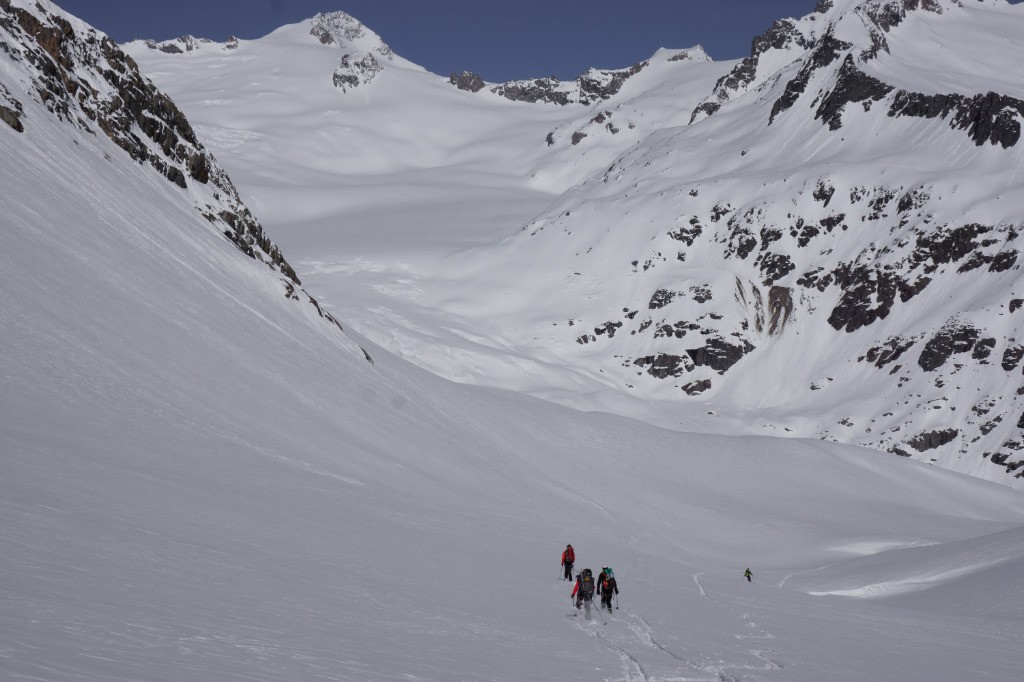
[570, 555]
[609, 572]
[586, 584]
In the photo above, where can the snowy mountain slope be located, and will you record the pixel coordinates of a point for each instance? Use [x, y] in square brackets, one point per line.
[204, 479]
[820, 253]
[91, 83]
[370, 167]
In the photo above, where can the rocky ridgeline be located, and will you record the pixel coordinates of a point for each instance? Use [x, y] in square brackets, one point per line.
[990, 117]
[594, 86]
[365, 54]
[85, 80]
[186, 44]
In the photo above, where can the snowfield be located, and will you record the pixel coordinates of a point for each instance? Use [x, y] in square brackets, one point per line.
[818, 241]
[203, 478]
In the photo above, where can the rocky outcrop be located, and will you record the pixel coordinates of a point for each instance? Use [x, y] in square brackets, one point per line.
[782, 35]
[355, 72]
[661, 298]
[595, 85]
[549, 90]
[952, 339]
[719, 354]
[827, 51]
[990, 118]
[339, 28]
[851, 86]
[697, 387]
[180, 45]
[187, 44]
[929, 440]
[467, 80]
[591, 87]
[11, 110]
[665, 365]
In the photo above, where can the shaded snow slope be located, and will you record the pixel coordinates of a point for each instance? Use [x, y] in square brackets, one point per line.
[204, 479]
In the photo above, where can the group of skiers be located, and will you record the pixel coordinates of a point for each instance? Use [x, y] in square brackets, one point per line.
[586, 585]
[604, 586]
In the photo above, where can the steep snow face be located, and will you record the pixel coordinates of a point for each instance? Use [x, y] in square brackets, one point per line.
[844, 265]
[85, 79]
[204, 479]
[821, 253]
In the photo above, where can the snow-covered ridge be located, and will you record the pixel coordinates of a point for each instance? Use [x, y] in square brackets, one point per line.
[186, 44]
[364, 53]
[819, 253]
[852, 40]
[593, 86]
[596, 85]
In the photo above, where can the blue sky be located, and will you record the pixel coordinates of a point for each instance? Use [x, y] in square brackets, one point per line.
[498, 40]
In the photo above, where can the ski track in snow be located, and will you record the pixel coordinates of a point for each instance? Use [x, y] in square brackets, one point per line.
[754, 632]
[638, 637]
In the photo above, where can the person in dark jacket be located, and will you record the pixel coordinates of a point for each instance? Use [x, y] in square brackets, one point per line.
[606, 587]
[568, 558]
[583, 590]
[748, 575]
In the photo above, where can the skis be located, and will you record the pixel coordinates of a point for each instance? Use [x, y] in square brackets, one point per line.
[588, 614]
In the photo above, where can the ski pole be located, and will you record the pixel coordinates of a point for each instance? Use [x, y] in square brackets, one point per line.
[616, 602]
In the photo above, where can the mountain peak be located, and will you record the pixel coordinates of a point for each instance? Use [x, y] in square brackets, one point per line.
[365, 51]
[348, 33]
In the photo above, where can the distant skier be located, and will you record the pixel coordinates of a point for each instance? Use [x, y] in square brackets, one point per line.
[748, 575]
[568, 559]
[583, 590]
[606, 586]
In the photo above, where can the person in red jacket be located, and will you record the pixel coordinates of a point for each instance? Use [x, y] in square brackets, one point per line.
[568, 559]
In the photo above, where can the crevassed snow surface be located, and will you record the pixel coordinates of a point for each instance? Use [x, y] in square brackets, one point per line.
[204, 480]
